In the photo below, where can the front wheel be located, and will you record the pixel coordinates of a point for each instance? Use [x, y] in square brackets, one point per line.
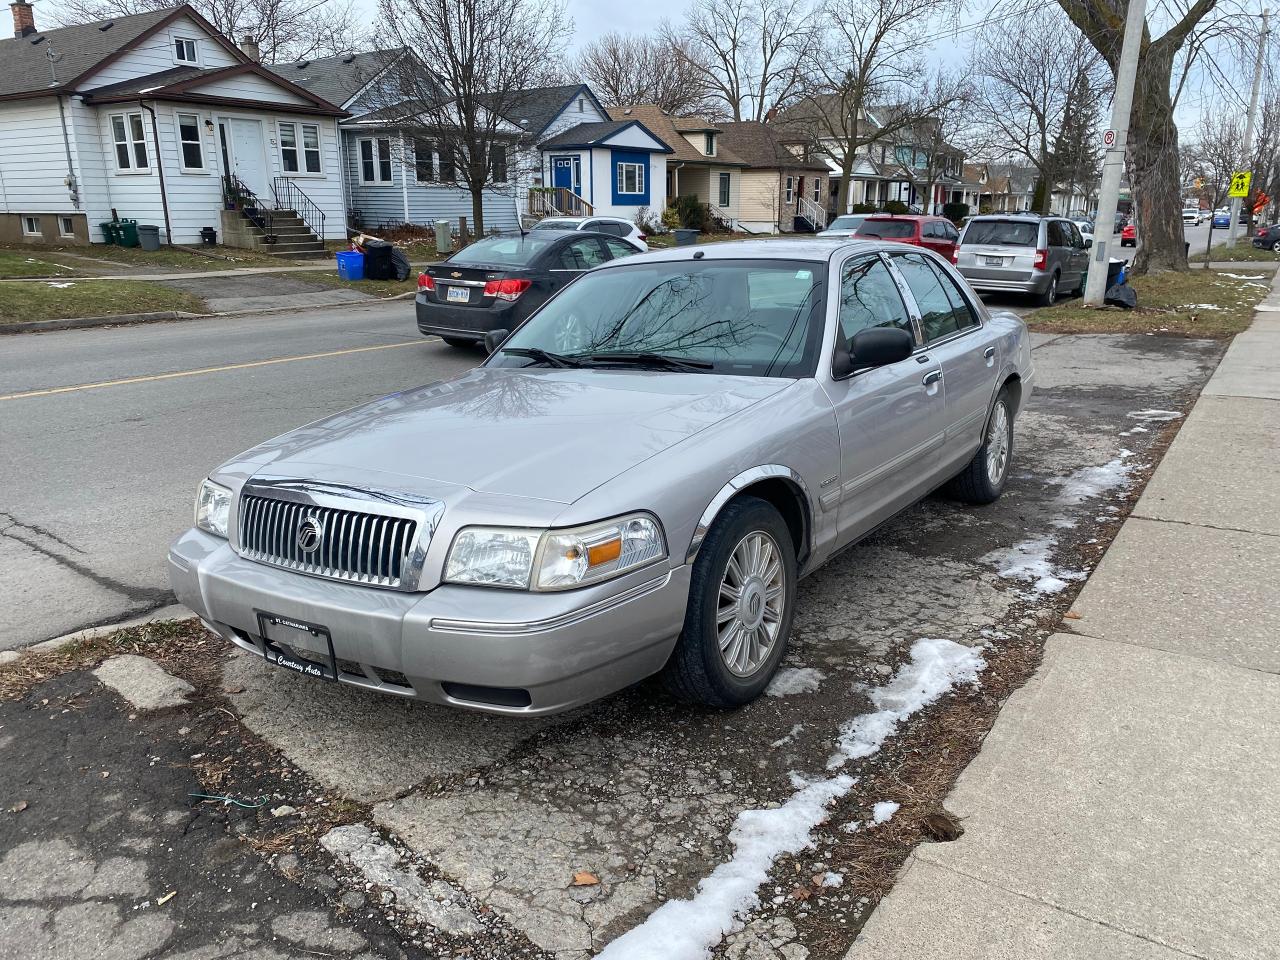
[984, 478]
[1275, 247]
[738, 620]
[460, 343]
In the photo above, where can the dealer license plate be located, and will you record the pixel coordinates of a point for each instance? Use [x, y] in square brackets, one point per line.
[993, 261]
[458, 295]
[296, 645]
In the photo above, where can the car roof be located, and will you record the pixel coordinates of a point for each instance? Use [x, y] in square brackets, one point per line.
[1024, 217]
[904, 216]
[811, 250]
[567, 219]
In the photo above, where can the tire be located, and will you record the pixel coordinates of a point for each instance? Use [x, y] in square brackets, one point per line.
[461, 343]
[697, 671]
[1050, 295]
[1275, 247]
[975, 483]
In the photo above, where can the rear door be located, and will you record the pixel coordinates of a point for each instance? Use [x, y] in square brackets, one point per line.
[619, 248]
[574, 257]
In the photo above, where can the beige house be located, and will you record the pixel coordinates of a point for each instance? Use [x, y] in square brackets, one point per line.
[780, 191]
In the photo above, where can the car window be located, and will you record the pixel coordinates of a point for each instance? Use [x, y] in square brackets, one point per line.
[1002, 233]
[591, 225]
[619, 249]
[515, 251]
[1056, 236]
[1076, 238]
[888, 229]
[961, 309]
[582, 254]
[938, 314]
[552, 223]
[847, 222]
[950, 232]
[869, 297]
[613, 227]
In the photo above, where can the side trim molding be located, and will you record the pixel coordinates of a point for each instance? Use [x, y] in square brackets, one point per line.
[768, 471]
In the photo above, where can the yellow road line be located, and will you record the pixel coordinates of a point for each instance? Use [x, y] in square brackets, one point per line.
[204, 370]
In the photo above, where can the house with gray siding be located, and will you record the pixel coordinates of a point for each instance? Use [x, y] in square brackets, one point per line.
[153, 117]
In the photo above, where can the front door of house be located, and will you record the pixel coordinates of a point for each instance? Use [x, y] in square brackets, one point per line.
[564, 173]
[244, 152]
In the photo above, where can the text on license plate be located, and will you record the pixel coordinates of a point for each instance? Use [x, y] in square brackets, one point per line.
[993, 261]
[458, 295]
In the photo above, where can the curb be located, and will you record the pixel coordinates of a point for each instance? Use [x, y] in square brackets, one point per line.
[128, 319]
[174, 611]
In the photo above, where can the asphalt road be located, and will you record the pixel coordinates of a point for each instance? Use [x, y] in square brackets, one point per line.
[98, 479]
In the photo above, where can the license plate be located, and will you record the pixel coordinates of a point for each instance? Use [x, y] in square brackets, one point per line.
[305, 648]
[458, 295]
[993, 261]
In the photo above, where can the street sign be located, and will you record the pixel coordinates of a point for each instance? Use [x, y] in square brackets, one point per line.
[1108, 138]
[1240, 184]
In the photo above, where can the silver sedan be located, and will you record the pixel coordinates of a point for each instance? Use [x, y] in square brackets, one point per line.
[632, 483]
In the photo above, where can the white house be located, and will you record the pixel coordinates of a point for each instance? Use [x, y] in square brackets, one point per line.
[159, 118]
[614, 167]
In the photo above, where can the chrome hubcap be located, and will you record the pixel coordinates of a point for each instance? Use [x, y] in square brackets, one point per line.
[998, 444]
[751, 603]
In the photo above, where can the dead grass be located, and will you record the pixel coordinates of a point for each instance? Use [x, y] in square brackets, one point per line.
[375, 288]
[1193, 303]
[21, 301]
[1245, 252]
[100, 258]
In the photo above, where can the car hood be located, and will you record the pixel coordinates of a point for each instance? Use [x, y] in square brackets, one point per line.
[545, 434]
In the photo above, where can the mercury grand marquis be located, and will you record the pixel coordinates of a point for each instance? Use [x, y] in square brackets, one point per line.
[632, 483]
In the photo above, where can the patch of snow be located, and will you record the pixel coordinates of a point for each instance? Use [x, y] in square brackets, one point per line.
[1203, 306]
[883, 811]
[791, 680]
[1245, 276]
[1154, 416]
[1029, 562]
[795, 732]
[691, 929]
[1063, 522]
[1089, 482]
[853, 826]
[62, 286]
[832, 880]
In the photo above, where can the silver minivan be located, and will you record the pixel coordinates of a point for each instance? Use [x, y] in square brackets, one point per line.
[1023, 253]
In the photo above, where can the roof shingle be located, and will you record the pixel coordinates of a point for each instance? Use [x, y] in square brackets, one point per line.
[337, 79]
[663, 126]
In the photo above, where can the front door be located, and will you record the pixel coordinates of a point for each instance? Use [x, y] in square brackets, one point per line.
[564, 173]
[245, 153]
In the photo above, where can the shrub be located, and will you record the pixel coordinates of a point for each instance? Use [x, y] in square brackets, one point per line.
[863, 208]
[896, 207]
[694, 214]
[671, 218]
[955, 212]
[646, 221]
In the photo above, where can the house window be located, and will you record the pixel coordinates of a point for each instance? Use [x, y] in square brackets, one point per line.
[424, 161]
[375, 160]
[190, 142]
[66, 227]
[130, 140]
[711, 145]
[31, 227]
[817, 189]
[498, 163]
[184, 51]
[310, 148]
[724, 189]
[448, 164]
[631, 178]
[791, 188]
[582, 104]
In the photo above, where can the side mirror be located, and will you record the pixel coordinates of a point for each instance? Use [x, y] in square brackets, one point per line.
[1087, 243]
[494, 339]
[873, 347]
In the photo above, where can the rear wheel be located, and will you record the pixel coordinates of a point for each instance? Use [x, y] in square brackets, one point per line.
[983, 480]
[1050, 295]
[1275, 247]
[462, 343]
[740, 607]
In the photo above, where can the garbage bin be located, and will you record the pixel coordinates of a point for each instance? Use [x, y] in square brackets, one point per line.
[1114, 269]
[149, 236]
[128, 231]
[377, 260]
[686, 238]
[444, 236]
[109, 232]
[209, 236]
[350, 265]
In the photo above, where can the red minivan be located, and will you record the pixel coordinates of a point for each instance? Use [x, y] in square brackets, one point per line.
[937, 233]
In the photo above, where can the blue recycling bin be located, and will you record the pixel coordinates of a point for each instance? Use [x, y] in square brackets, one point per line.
[350, 265]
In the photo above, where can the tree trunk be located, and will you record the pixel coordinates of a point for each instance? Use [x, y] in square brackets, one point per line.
[1153, 172]
[477, 211]
[846, 172]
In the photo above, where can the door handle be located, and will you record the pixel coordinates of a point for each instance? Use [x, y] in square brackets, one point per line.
[989, 353]
[932, 377]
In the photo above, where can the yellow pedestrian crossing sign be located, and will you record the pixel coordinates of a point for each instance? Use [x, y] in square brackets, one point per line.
[1240, 184]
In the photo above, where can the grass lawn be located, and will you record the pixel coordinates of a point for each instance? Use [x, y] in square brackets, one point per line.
[45, 260]
[1196, 303]
[375, 288]
[1245, 252]
[20, 302]
[22, 263]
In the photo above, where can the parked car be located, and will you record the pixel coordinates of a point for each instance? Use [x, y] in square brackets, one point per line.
[1086, 231]
[1129, 235]
[1024, 253]
[845, 225]
[1193, 216]
[1121, 220]
[498, 281]
[1268, 238]
[1222, 220]
[934, 233]
[615, 226]
[632, 483]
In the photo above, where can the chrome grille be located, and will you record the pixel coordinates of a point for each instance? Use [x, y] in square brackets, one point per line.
[354, 546]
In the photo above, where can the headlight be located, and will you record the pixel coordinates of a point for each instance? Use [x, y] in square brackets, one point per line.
[554, 559]
[213, 507]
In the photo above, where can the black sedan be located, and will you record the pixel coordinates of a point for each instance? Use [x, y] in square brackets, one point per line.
[1268, 238]
[496, 282]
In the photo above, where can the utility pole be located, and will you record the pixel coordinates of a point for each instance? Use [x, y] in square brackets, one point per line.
[1246, 158]
[1113, 161]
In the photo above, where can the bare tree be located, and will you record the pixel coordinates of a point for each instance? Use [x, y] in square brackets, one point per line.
[285, 30]
[867, 59]
[1212, 156]
[623, 70]
[750, 54]
[482, 55]
[1027, 77]
[943, 111]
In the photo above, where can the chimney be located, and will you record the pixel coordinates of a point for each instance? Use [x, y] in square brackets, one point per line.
[249, 47]
[24, 18]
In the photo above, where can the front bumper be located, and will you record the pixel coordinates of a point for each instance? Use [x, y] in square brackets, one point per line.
[509, 652]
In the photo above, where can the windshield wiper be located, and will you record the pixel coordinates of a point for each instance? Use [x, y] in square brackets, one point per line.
[538, 355]
[644, 359]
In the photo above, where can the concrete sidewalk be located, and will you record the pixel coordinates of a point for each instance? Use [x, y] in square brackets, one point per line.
[1124, 805]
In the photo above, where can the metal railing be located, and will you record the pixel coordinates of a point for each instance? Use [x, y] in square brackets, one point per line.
[289, 196]
[558, 202]
[237, 193]
[812, 212]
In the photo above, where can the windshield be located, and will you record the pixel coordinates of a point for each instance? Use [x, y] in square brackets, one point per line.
[888, 229]
[846, 223]
[757, 318]
[513, 251]
[1002, 233]
[551, 223]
